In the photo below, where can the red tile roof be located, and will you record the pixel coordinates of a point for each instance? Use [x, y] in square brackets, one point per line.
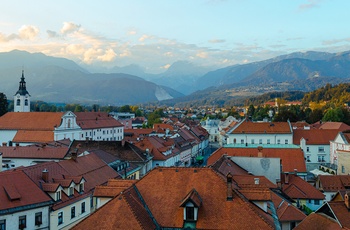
[286, 211]
[341, 212]
[317, 221]
[331, 125]
[94, 120]
[163, 190]
[334, 183]
[18, 190]
[33, 136]
[34, 152]
[44, 121]
[262, 127]
[299, 188]
[292, 158]
[314, 136]
[113, 188]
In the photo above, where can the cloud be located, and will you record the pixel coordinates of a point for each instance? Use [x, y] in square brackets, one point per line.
[335, 41]
[132, 32]
[52, 34]
[108, 56]
[311, 4]
[69, 27]
[28, 32]
[202, 55]
[166, 66]
[217, 41]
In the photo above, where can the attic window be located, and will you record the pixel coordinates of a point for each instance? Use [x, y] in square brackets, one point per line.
[190, 214]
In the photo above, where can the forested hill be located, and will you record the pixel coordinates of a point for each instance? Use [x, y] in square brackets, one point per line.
[338, 94]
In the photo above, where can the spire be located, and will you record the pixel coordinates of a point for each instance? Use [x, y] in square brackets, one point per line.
[22, 90]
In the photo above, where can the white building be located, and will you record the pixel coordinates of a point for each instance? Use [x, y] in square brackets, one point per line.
[258, 133]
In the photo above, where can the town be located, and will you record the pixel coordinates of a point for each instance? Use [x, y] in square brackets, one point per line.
[120, 170]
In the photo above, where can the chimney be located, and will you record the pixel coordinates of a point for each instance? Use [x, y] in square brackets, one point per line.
[286, 178]
[278, 183]
[45, 175]
[123, 143]
[346, 200]
[4, 144]
[229, 187]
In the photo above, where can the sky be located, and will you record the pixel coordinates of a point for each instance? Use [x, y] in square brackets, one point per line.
[156, 33]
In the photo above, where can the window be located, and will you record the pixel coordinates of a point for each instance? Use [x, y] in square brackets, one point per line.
[26, 102]
[286, 141]
[18, 102]
[252, 141]
[81, 187]
[58, 195]
[2, 224]
[321, 149]
[72, 212]
[38, 218]
[60, 218]
[242, 141]
[68, 123]
[317, 202]
[71, 191]
[260, 141]
[320, 158]
[279, 141]
[190, 213]
[22, 222]
[83, 207]
[308, 158]
[82, 135]
[342, 169]
[268, 141]
[307, 149]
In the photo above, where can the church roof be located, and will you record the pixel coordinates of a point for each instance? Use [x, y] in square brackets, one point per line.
[22, 90]
[44, 121]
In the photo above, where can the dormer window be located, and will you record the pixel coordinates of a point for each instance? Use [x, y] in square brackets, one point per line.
[71, 191]
[81, 187]
[58, 195]
[190, 212]
[191, 204]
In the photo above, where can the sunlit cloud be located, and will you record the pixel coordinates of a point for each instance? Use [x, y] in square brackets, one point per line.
[202, 55]
[335, 41]
[132, 32]
[52, 34]
[28, 32]
[108, 56]
[69, 27]
[166, 66]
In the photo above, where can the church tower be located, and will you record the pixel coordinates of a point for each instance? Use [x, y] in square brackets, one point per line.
[22, 97]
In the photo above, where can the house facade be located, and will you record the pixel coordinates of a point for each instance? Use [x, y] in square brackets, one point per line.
[339, 153]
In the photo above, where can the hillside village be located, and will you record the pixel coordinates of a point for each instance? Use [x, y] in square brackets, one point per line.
[83, 170]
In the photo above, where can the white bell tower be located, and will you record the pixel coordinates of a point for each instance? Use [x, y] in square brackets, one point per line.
[22, 97]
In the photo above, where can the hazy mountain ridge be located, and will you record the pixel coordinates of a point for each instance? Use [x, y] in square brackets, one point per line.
[61, 80]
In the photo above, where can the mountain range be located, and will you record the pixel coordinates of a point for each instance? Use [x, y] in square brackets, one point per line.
[53, 79]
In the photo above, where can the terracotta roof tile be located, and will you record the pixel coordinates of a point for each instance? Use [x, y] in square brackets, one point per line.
[89, 120]
[33, 136]
[333, 183]
[113, 188]
[292, 158]
[299, 188]
[44, 121]
[317, 221]
[34, 152]
[18, 190]
[331, 125]
[314, 136]
[285, 210]
[262, 127]
[341, 212]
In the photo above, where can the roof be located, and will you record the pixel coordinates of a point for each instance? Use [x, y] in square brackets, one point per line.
[225, 165]
[34, 152]
[314, 136]
[93, 120]
[247, 126]
[316, 221]
[113, 188]
[285, 210]
[331, 125]
[33, 136]
[334, 183]
[44, 121]
[298, 188]
[163, 190]
[18, 190]
[291, 158]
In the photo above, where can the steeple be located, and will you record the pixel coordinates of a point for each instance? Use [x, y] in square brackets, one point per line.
[22, 97]
[22, 86]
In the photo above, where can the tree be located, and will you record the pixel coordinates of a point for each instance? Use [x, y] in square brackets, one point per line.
[3, 104]
[335, 115]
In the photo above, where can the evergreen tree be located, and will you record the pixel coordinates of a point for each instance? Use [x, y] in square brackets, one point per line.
[3, 104]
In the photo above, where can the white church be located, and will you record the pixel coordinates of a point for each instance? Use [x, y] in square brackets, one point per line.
[23, 127]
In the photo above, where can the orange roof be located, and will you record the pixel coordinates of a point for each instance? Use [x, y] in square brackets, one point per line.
[262, 127]
[314, 136]
[93, 120]
[164, 189]
[18, 190]
[341, 212]
[113, 188]
[334, 183]
[33, 136]
[285, 210]
[163, 126]
[299, 188]
[34, 152]
[292, 158]
[44, 121]
[331, 125]
[316, 221]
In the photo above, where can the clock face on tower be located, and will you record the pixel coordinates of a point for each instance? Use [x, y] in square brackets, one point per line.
[17, 96]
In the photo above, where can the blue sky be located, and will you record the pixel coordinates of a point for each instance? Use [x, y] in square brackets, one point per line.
[155, 34]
